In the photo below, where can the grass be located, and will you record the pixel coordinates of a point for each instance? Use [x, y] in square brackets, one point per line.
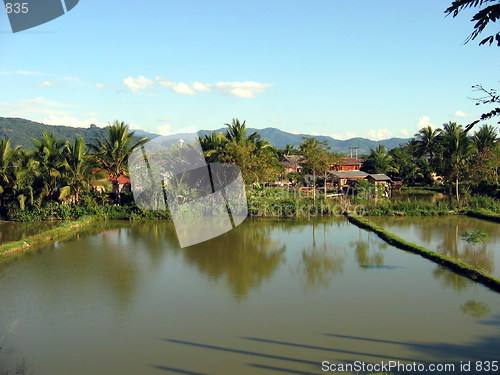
[484, 214]
[461, 268]
[64, 230]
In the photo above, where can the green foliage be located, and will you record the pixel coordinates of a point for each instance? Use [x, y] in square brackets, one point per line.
[490, 11]
[476, 236]
[379, 161]
[113, 150]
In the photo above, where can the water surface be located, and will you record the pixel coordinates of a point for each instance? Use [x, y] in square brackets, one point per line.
[15, 231]
[271, 296]
[444, 234]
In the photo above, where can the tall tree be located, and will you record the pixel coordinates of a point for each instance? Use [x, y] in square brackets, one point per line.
[114, 149]
[485, 139]
[8, 156]
[379, 160]
[256, 158]
[213, 146]
[79, 171]
[48, 154]
[427, 141]
[316, 159]
[456, 148]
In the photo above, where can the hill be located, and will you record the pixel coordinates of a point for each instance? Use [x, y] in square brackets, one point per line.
[280, 139]
[21, 132]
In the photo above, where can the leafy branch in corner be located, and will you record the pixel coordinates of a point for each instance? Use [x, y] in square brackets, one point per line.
[482, 18]
[490, 96]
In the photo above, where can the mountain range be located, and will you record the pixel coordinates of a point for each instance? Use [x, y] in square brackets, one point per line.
[22, 131]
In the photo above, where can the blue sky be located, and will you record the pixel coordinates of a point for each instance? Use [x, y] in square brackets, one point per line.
[343, 68]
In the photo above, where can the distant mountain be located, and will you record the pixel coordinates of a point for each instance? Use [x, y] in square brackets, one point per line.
[22, 131]
[280, 139]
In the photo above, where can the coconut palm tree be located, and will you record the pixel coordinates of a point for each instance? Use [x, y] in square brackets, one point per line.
[456, 149]
[485, 138]
[213, 145]
[237, 132]
[427, 140]
[8, 156]
[28, 181]
[79, 171]
[379, 160]
[48, 155]
[113, 150]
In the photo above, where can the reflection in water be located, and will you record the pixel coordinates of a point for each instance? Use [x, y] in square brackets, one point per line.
[444, 234]
[319, 261]
[244, 257]
[450, 279]
[269, 296]
[475, 307]
[12, 231]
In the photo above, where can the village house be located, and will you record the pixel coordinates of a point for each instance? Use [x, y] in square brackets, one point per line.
[120, 184]
[347, 164]
[292, 163]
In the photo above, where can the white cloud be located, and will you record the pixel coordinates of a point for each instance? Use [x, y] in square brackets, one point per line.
[165, 82]
[45, 84]
[137, 84]
[461, 114]
[241, 89]
[378, 134]
[99, 86]
[182, 88]
[71, 121]
[424, 122]
[405, 132]
[164, 129]
[246, 89]
[275, 120]
[198, 86]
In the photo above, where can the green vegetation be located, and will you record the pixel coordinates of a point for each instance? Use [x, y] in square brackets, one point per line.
[484, 214]
[464, 269]
[450, 158]
[476, 236]
[59, 179]
[64, 230]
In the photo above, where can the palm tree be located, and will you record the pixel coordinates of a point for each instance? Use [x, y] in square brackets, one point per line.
[48, 155]
[7, 169]
[456, 150]
[114, 150]
[237, 132]
[28, 180]
[427, 141]
[289, 149]
[485, 139]
[79, 171]
[213, 145]
[378, 161]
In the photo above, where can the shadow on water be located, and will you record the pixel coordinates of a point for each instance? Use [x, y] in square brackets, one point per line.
[485, 348]
[314, 366]
[240, 351]
[280, 369]
[327, 349]
[176, 370]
